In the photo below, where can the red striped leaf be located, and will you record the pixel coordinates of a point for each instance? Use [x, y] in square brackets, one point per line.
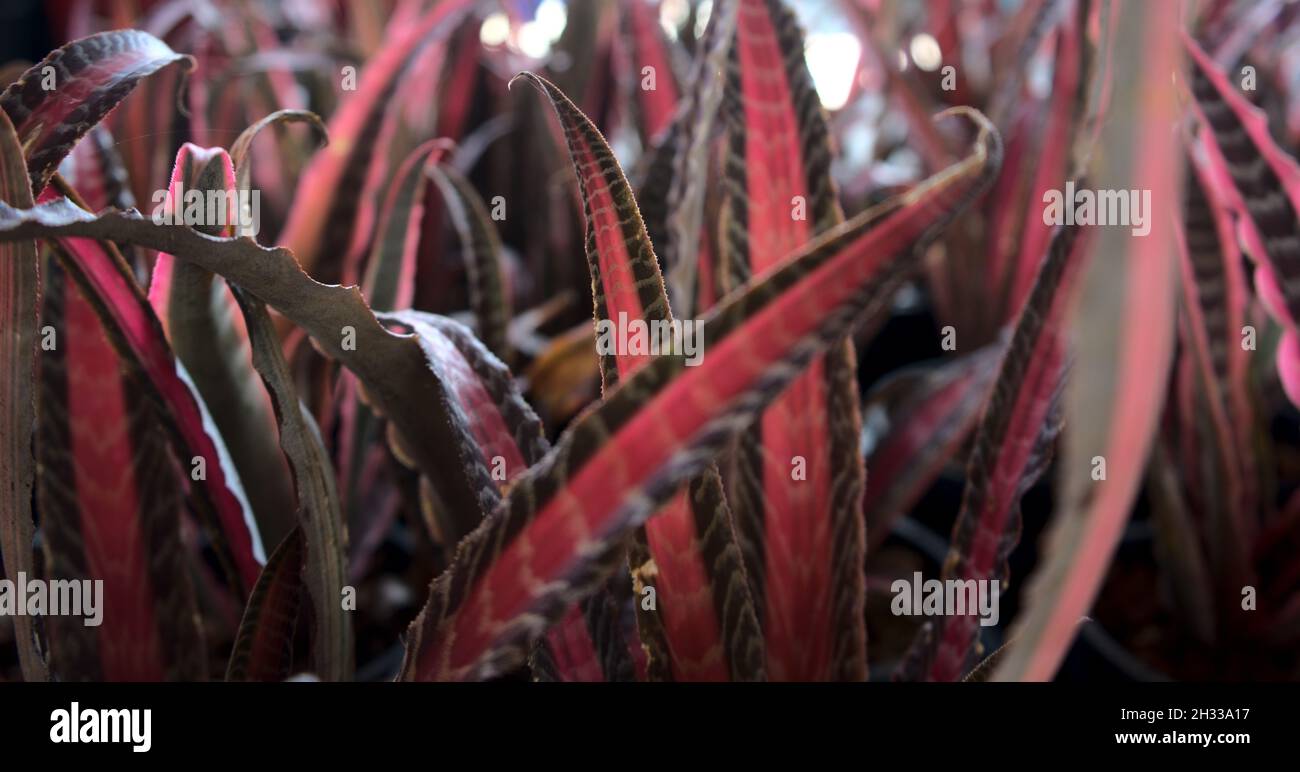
[1124, 335]
[559, 529]
[222, 505]
[90, 76]
[1013, 447]
[1220, 448]
[498, 419]
[588, 643]
[798, 474]
[111, 492]
[654, 105]
[263, 649]
[928, 414]
[702, 626]
[330, 190]
[1265, 192]
[1223, 297]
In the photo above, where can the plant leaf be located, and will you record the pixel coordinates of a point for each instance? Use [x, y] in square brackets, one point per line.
[489, 297]
[687, 554]
[1124, 338]
[1013, 446]
[588, 643]
[655, 107]
[560, 527]
[321, 529]
[20, 290]
[497, 416]
[90, 77]
[221, 503]
[205, 328]
[331, 188]
[319, 518]
[263, 649]
[930, 413]
[1223, 299]
[1064, 109]
[1265, 192]
[244, 143]
[390, 271]
[698, 111]
[798, 475]
[110, 494]
[1217, 448]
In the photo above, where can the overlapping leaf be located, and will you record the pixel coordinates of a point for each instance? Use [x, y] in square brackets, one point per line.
[702, 624]
[1123, 343]
[693, 134]
[1264, 191]
[324, 538]
[111, 486]
[1216, 410]
[589, 643]
[798, 477]
[559, 528]
[207, 331]
[392, 367]
[1051, 167]
[331, 189]
[1013, 446]
[928, 414]
[263, 649]
[89, 77]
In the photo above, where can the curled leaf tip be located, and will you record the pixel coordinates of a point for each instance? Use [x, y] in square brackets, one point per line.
[528, 75]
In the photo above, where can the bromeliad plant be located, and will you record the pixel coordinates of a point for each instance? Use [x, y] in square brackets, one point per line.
[279, 458]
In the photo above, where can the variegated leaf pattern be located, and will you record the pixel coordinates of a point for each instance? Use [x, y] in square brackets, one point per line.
[559, 529]
[502, 429]
[330, 190]
[111, 493]
[915, 424]
[1264, 190]
[798, 474]
[221, 507]
[263, 649]
[1013, 446]
[101, 70]
[702, 624]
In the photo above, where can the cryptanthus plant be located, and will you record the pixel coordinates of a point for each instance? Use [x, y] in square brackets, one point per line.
[389, 342]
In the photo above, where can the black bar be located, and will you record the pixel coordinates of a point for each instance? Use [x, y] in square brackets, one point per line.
[985, 723]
